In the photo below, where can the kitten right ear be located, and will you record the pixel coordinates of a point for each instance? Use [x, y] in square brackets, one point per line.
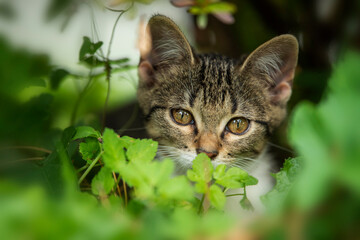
[163, 44]
[275, 62]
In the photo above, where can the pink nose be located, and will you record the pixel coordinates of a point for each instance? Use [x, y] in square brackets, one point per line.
[211, 155]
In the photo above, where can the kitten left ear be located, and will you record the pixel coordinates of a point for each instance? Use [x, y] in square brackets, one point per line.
[162, 45]
[275, 61]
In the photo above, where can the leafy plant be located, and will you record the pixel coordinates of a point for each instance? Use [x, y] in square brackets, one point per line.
[132, 162]
[202, 8]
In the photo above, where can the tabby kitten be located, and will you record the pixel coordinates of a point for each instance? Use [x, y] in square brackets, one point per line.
[208, 103]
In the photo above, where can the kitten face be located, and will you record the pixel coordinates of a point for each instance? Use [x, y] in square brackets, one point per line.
[208, 103]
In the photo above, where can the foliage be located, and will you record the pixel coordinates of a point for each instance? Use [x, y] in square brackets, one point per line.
[321, 189]
[210, 182]
[202, 8]
[131, 161]
[85, 183]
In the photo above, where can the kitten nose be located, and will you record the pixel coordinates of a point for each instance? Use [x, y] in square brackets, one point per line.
[211, 155]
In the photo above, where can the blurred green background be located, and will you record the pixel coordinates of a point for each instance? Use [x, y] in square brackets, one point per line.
[51, 78]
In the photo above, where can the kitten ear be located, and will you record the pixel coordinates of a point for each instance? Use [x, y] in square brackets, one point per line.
[275, 61]
[163, 44]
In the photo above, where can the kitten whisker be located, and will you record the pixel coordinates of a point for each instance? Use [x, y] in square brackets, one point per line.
[280, 147]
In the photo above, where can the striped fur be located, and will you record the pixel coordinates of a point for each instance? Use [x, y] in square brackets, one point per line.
[214, 89]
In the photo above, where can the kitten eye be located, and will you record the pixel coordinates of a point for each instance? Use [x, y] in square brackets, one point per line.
[182, 116]
[238, 125]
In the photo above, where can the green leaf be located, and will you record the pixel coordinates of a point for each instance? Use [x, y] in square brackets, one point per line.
[177, 188]
[250, 180]
[92, 60]
[285, 179]
[162, 171]
[67, 135]
[220, 7]
[202, 21]
[103, 182]
[143, 150]
[89, 149]
[202, 169]
[67, 170]
[195, 10]
[201, 172]
[314, 144]
[114, 155]
[233, 178]
[85, 131]
[201, 187]
[120, 61]
[217, 197]
[56, 77]
[219, 171]
[88, 48]
[246, 204]
[127, 141]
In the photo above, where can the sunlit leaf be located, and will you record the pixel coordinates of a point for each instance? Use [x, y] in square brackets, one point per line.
[89, 149]
[103, 182]
[220, 7]
[285, 179]
[143, 150]
[202, 168]
[114, 154]
[217, 197]
[177, 188]
[219, 171]
[85, 131]
[233, 178]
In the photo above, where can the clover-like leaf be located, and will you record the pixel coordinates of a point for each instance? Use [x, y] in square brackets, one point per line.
[88, 48]
[201, 172]
[85, 131]
[246, 204]
[233, 178]
[250, 180]
[89, 149]
[143, 150]
[202, 168]
[114, 154]
[285, 179]
[103, 182]
[177, 188]
[217, 197]
[219, 171]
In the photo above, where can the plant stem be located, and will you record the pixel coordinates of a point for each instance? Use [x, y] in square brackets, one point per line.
[125, 193]
[107, 63]
[83, 168]
[108, 76]
[81, 95]
[117, 185]
[27, 147]
[86, 166]
[90, 167]
[237, 194]
[201, 203]
[22, 160]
